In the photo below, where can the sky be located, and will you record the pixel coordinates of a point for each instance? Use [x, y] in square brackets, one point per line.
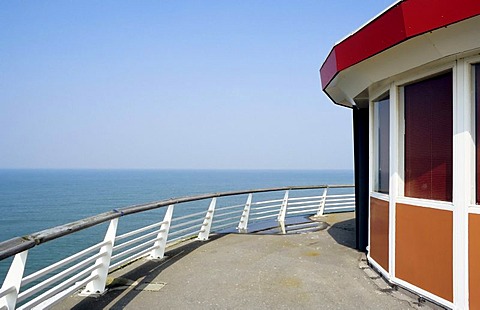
[173, 84]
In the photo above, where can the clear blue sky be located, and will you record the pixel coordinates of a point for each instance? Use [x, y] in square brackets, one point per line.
[173, 84]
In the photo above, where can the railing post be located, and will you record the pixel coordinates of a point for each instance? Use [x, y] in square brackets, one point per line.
[322, 202]
[13, 281]
[242, 226]
[97, 286]
[162, 236]
[207, 222]
[283, 213]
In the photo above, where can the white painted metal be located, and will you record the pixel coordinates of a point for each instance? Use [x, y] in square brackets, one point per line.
[137, 231]
[13, 280]
[62, 286]
[267, 207]
[34, 276]
[321, 208]
[188, 223]
[395, 175]
[299, 204]
[160, 244]
[90, 274]
[434, 204]
[243, 224]
[217, 214]
[134, 241]
[207, 222]
[264, 217]
[232, 219]
[97, 286]
[423, 293]
[63, 294]
[131, 258]
[56, 278]
[266, 202]
[305, 198]
[217, 209]
[188, 216]
[283, 212]
[134, 249]
[189, 229]
[462, 170]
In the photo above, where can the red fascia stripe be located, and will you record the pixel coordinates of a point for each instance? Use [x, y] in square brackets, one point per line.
[401, 22]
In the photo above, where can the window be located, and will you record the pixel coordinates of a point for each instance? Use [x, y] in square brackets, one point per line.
[382, 145]
[429, 138]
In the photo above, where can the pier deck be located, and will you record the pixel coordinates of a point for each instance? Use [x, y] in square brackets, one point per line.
[314, 270]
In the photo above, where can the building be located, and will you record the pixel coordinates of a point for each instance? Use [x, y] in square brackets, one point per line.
[412, 79]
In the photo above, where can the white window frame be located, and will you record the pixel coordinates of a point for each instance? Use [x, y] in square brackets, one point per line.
[400, 84]
[376, 94]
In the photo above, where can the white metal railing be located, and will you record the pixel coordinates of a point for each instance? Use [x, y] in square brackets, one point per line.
[88, 268]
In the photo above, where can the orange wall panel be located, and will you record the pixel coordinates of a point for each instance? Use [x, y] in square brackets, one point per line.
[379, 241]
[474, 259]
[424, 248]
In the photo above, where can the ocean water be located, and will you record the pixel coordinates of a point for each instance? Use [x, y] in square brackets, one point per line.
[33, 200]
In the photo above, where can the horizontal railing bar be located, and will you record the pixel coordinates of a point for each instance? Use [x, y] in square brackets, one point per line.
[266, 201]
[263, 212]
[135, 248]
[262, 217]
[267, 207]
[303, 203]
[189, 215]
[136, 240]
[341, 199]
[302, 207]
[34, 276]
[133, 257]
[67, 292]
[190, 228]
[137, 231]
[341, 208]
[32, 303]
[228, 207]
[217, 215]
[197, 220]
[217, 221]
[231, 224]
[302, 211]
[5, 291]
[19, 244]
[35, 289]
[341, 195]
[337, 203]
[304, 198]
[182, 237]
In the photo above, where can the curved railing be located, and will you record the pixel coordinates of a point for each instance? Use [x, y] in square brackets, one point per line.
[89, 267]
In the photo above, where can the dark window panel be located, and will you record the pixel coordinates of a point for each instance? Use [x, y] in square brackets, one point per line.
[429, 138]
[383, 145]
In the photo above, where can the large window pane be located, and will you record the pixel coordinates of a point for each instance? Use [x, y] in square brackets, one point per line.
[381, 145]
[429, 138]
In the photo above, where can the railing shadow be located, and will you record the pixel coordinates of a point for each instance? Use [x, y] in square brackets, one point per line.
[344, 233]
[121, 294]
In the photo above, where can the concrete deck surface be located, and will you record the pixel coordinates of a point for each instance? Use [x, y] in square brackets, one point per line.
[314, 270]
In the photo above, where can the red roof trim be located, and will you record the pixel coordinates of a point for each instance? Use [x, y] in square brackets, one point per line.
[401, 22]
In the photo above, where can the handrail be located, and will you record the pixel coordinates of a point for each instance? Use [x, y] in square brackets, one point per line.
[53, 283]
[19, 244]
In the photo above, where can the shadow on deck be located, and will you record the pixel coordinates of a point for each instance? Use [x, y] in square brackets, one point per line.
[308, 270]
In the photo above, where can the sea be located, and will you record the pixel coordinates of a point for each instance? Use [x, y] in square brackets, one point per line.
[32, 200]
